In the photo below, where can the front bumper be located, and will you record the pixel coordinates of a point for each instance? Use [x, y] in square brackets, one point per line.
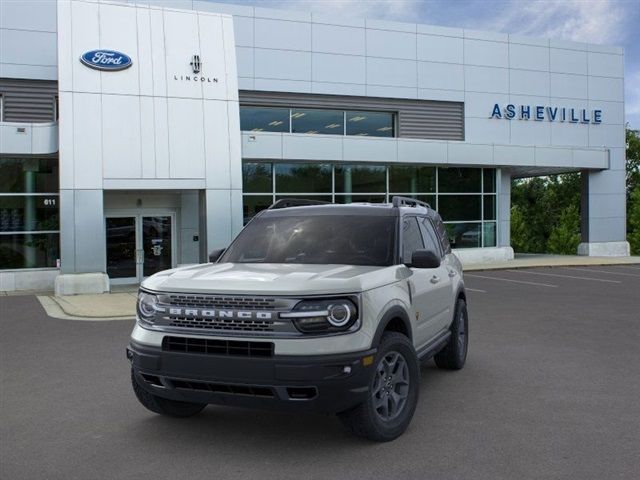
[319, 383]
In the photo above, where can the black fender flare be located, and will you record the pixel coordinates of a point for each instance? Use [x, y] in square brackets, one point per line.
[395, 311]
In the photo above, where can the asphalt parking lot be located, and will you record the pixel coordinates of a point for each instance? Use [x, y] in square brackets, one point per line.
[551, 390]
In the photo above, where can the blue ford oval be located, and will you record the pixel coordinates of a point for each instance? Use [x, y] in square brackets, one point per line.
[109, 60]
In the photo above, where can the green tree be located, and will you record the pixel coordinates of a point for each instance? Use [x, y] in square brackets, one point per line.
[633, 161]
[565, 236]
[633, 221]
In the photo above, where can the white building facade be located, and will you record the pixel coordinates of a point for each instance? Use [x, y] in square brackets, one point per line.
[138, 136]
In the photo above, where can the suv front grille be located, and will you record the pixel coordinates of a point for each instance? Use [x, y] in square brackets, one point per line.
[217, 347]
[216, 302]
[234, 325]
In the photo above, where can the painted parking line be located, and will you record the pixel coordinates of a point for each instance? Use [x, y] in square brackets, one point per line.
[565, 276]
[512, 281]
[603, 271]
[475, 290]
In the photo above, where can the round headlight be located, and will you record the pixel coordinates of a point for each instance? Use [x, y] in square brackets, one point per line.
[339, 314]
[147, 306]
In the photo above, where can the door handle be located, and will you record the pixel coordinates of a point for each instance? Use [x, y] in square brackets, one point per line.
[435, 279]
[452, 273]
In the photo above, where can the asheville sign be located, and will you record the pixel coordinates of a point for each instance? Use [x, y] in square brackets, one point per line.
[552, 114]
[107, 60]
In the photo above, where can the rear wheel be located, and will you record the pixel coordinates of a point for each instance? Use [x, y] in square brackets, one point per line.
[393, 392]
[164, 406]
[454, 355]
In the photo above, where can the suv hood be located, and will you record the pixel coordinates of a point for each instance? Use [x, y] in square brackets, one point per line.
[274, 279]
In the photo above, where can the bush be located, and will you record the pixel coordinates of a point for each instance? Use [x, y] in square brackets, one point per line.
[633, 221]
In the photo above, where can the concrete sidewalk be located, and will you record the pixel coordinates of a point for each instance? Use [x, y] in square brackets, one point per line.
[120, 304]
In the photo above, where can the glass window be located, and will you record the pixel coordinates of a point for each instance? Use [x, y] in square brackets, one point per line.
[316, 239]
[459, 180]
[360, 198]
[411, 238]
[303, 178]
[489, 175]
[412, 179]
[431, 241]
[455, 208]
[28, 175]
[489, 207]
[30, 250]
[257, 178]
[28, 213]
[252, 204]
[464, 235]
[489, 234]
[372, 124]
[361, 178]
[317, 121]
[264, 119]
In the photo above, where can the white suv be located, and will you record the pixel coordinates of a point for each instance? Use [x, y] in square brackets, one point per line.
[313, 307]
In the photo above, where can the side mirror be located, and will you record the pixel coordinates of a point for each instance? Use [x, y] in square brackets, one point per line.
[425, 259]
[216, 254]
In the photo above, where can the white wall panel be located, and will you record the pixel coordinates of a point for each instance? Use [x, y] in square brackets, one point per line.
[611, 89]
[486, 79]
[480, 105]
[161, 136]
[186, 138]
[565, 85]
[387, 44]
[212, 58]
[338, 39]
[530, 132]
[144, 52]
[465, 153]
[118, 31]
[513, 155]
[606, 65]
[526, 82]
[182, 29]
[87, 141]
[433, 48]
[489, 54]
[446, 76]
[283, 34]
[284, 65]
[216, 143]
[393, 73]
[121, 150]
[612, 112]
[85, 35]
[487, 130]
[35, 48]
[35, 15]
[568, 61]
[528, 57]
[243, 31]
[311, 147]
[419, 151]
[147, 137]
[338, 68]
[159, 70]
[244, 56]
[569, 134]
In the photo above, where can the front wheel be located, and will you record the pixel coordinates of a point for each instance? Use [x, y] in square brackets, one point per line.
[393, 392]
[164, 406]
[454, 355]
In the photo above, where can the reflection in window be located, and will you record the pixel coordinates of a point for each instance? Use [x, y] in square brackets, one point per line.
[489, 176]
[372, 124]
[456, 208]
[329, 122]
[489, 234]
[253, 204]
[28, 175]
[257, 178]
[28, 213]
[361, 198]
[361, 178]
[489, 207]
[29, 250]
[412, 179]
[303, 178]
[264, 119]
[464, 235]
[459, 180]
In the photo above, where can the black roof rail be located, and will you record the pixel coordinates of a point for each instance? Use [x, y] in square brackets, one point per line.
[295, 202]
[408, 202]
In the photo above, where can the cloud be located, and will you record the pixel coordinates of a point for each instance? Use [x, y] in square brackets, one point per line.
[401, 10]
[578, 20]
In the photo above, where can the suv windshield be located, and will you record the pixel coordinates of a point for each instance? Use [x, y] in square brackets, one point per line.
[320, 239]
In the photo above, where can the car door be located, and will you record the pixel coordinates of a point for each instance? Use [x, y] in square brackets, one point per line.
[425, 284]
[443, 291]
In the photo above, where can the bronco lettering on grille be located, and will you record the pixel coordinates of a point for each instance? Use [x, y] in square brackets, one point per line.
[231, 314]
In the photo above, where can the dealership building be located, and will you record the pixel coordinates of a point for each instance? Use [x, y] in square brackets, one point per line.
[138, 136]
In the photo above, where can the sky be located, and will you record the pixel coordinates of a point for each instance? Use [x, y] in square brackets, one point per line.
[608, 22]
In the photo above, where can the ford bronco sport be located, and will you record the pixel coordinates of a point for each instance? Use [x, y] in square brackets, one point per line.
[313, 307]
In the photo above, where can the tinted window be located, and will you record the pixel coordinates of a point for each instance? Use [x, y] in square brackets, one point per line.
[318, 239]
[28, 213]
[257, 178]
[361, 178]
[303, 178]
[411, 238]
[459, 180]
[372, 124]
[410, 179]
[443, 236]
[455, 208]
[489, 180]
[431, 241]
[253, 204]
[264, 119]
[28, 175]
[317, 121]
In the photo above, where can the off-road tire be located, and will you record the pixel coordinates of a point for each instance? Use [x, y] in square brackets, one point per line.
[164, 406]
[363, 420]
[454, 355]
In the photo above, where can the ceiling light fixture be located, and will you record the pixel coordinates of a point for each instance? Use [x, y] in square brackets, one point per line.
[356, 119]
[275, 123]
[333, 125]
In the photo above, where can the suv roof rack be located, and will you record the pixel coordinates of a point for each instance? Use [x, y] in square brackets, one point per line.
[408, 202]
[295, 202]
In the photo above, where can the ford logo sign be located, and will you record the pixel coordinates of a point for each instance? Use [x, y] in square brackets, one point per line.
[108, 60]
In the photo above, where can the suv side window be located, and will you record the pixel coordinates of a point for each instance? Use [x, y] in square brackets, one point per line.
[442, 234]
[429, 235]
[411, 238]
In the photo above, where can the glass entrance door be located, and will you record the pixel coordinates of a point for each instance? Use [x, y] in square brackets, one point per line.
[138, 246]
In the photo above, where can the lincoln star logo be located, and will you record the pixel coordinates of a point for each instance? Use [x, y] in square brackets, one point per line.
[195, 63]
[106, 60]
[212, 313]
